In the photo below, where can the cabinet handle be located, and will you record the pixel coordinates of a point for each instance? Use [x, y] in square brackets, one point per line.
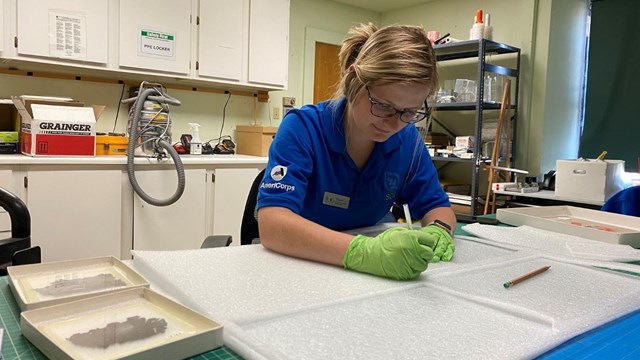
[25, 182]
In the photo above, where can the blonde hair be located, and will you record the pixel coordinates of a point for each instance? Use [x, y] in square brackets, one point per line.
[393, 54]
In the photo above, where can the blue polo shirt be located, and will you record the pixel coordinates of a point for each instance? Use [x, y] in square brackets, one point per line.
[310, 172]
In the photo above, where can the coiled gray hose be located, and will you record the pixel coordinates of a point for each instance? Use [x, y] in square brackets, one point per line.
[133, 135]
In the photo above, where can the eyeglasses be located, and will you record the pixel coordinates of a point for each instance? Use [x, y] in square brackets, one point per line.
[381, 110]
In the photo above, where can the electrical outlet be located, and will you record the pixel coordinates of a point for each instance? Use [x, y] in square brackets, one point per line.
[289, 101]
[276, 113]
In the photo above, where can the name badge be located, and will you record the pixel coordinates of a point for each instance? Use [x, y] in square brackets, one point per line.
[336, 200]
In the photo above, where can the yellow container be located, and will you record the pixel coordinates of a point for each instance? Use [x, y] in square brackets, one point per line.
[111, 145]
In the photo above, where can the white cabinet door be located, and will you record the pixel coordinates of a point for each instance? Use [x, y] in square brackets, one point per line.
[178, 226]
[75, 213]
[63, 29]
[223, 38]
[155, 35]
[231, 188]
[269, 42]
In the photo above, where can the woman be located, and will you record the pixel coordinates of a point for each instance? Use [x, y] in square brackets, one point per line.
[341, 164]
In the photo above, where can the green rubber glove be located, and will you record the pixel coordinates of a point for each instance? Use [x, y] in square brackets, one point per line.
[444, 247]
[397, 253]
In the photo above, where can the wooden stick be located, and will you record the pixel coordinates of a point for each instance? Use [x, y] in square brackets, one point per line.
[496, 147]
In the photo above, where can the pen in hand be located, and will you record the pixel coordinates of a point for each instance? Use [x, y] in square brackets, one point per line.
[407, 216]
[526, 276]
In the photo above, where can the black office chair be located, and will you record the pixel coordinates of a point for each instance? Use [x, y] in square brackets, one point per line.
[17, 249]
[248, 228]
[249, 232]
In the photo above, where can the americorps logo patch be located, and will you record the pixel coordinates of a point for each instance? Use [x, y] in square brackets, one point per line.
[278, 172]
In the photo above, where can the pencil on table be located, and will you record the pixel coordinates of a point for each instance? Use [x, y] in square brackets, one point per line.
[526, 276]
[602, 155]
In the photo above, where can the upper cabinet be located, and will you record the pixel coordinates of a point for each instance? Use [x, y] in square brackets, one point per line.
[269, 41]
[223, 39]
[63, 29]
[155, 35]
[244, 43]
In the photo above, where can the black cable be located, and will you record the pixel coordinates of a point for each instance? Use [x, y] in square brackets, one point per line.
[118, 111]
[224, 114]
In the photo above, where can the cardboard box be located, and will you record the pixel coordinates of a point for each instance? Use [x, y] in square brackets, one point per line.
[254, 140]
[57, 126]
[589, 179]
[465, 141]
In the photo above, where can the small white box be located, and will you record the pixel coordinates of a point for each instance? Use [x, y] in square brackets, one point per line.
[130, 324]
[589, 179]
[465, 141]
[585, 223]
[39, 285]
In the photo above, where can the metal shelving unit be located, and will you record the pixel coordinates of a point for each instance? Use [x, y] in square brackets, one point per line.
[479, 49]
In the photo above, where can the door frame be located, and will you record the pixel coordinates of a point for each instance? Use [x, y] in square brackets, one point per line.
[311, 36]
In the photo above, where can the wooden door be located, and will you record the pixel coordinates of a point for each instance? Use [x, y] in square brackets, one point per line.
[326, 73]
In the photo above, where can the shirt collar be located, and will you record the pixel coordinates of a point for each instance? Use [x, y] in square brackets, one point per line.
[333, 125]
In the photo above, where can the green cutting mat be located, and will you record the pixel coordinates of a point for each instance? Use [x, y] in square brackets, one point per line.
[15, 346]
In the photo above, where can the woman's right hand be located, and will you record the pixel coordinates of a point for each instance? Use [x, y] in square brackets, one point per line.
[397, 253]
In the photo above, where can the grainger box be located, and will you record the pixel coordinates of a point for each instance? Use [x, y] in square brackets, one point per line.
[57, 127]
[254, 140]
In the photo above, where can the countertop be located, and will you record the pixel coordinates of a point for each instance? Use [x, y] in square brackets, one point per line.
[19, 159]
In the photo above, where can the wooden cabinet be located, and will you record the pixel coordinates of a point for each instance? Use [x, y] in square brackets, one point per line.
[63, 29]
[75, 213]
[155, 35]
[181, 225]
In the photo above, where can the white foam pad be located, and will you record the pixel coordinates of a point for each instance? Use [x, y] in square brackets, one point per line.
[277, 307]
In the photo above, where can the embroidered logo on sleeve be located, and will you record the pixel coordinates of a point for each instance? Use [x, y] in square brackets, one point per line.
[278, 172]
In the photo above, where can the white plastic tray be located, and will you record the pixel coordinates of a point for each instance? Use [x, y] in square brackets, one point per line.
[586, 223]
[133, 324]
[46, 284]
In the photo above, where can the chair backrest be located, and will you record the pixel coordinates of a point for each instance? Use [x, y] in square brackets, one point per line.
[17, 249]
[249, 228]
[626, 202]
